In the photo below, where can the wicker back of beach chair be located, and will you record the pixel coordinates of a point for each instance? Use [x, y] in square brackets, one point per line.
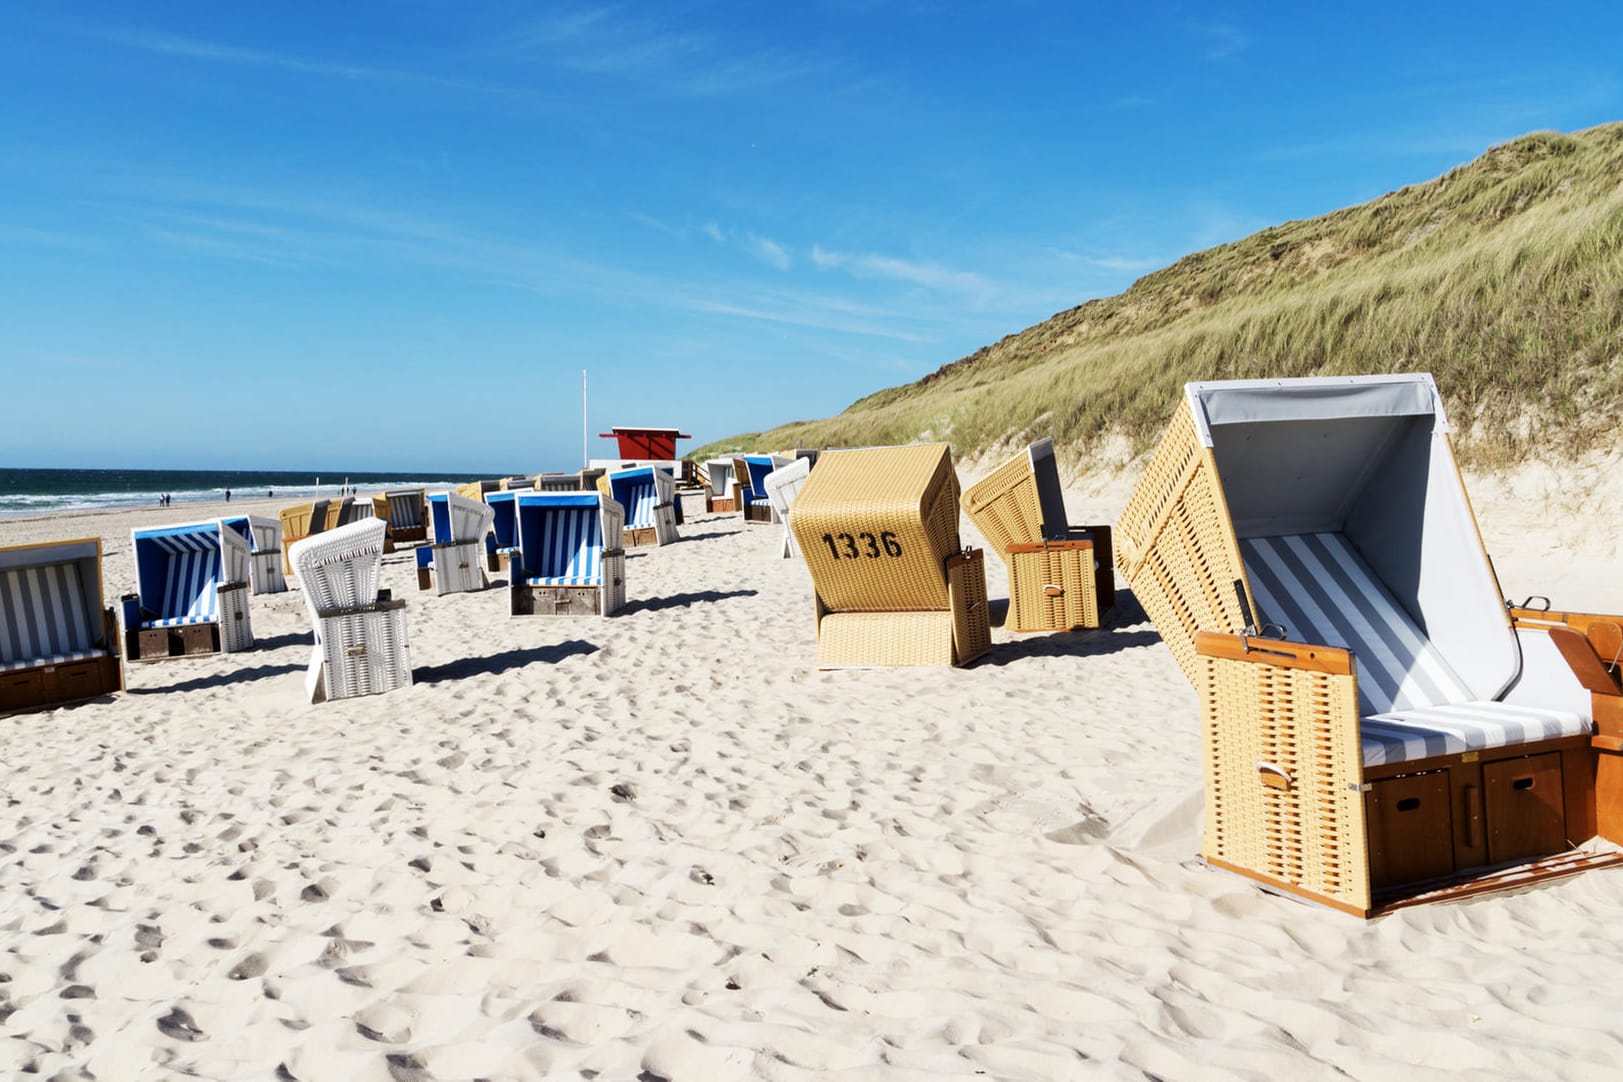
[361, 642]
[878, 528]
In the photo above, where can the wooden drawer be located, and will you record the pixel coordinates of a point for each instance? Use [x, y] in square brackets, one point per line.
[198, 639]
[557, 601]
[1411, 834]
[1524, 807]
[78, 680]
[636, 536]
[21, 690]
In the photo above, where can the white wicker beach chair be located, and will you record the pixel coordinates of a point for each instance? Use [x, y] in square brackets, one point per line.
[569, 560]
[361, 646]
[648, 495]
[264, 536]
[454, 563]
[782, 485]
[192, 592]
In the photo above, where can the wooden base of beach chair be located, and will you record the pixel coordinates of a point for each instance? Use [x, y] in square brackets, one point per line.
[231, 634]
[954, 636]
[720, 505]
[637, 536]
[759, 513]
[46, 686]
[408, 535]
[1060, 585]
[557, 601]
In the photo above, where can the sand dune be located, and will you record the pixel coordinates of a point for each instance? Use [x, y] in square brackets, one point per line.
[664, 845]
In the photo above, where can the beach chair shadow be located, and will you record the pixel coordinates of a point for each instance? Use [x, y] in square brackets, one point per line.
[506, 661]
[682, 601]
[224, 679]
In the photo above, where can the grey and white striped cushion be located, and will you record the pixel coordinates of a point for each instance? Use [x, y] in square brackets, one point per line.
[52, 659]
[405, 510]
[1407, 735]
[43, 613]
[1322, 591]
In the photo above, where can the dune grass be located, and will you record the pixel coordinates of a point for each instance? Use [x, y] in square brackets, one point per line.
[1503, 278]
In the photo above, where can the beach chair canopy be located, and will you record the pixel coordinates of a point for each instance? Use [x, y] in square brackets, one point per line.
[457, 519]
[50, 604]
[503, 536]
[340, 568]
[720, 472]
[640, 491]
[784, 483]
[1020, 503]
[263, 534]
[179, 570]
[561, 538]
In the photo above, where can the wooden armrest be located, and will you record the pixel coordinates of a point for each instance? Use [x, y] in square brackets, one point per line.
[1333, 660]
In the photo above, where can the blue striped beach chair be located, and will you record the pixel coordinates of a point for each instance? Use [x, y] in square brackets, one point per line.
[750, 473]
[58, 643]
[452, 564]
[264, 537]
[361, 641]
[569, 560]
[192, 592]
[648, 495]
[1379, 725]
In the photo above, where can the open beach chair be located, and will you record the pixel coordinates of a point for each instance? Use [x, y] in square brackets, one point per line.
[720, 496]
[58, 643]
[454, 563]
[557, 482]
[648, 495]
[749, 473]
[264, 537]
[307, 519]
[878, 528]
[1377, 726]
[406, 512]
[361, 644]
[1060, 576]
[569, 561]
[782, 486]
[502, 539]
[192, 592]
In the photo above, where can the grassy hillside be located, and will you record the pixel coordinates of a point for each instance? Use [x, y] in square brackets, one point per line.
[1504, 278]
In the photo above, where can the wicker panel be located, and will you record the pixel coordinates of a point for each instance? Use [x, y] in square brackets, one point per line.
[971, 619]
[363, 654]
[1053, 587]
[906, 496]
[885, 638]
[1310, 834]
[236, 628]
[614, 582]
[457, 568]
[1175, 545]
[1004, 507]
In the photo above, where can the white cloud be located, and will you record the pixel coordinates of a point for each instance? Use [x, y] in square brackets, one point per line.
[713, 231]
[769, 251]
[929, 275]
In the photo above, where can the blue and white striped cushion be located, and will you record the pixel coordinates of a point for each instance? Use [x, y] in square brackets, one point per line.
[560, 580]
[178, 621]
[1404, 736]
[52, 659]
[43, 614]
[1322, 591]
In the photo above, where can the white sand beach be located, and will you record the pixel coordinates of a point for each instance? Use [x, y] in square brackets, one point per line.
[663, 845]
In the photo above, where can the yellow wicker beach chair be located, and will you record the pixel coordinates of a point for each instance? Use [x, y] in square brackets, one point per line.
[1060, 576]
[406, 512]
[878, 528]
[1377, 728]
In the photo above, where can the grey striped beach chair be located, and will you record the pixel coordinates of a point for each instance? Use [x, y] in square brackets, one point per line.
[406, 512]
[361, 643]
[192, 592]
[58, 643]
[1378, 725]
[569, 559]
[264, 536]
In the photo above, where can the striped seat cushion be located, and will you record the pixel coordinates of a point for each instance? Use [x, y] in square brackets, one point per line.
[51, 659]
[405, 510]
[560, 580]
[177, 621]
[1407, 735]
[44, 615]
[1413, 704]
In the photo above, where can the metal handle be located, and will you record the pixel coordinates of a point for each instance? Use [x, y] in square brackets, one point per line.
[1273, 776]
[355, 651]
[1051, 590]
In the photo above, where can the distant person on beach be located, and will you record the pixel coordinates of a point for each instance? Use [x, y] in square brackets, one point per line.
[269, 493]
[228, 495]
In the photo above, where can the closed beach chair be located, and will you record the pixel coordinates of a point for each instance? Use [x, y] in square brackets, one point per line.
[58, 643]
[648, 495]
[454, 563]
[878, 528]
[264, 537]
[1060, 576]
[361, 643]
[1377, 727]
[749, 474]
[308, 519]
[502, 539]
[406, 512]
[192, 592]
[782, 486]
[569, 561]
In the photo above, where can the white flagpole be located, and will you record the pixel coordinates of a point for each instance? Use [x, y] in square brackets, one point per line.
[585, 454]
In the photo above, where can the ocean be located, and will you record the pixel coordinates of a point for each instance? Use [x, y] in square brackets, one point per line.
[34, 492]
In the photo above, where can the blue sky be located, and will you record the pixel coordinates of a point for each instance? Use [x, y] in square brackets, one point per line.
[391, 235]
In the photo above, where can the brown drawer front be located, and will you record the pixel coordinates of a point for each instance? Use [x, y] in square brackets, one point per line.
[564, 600]
[1411, 835]
[154, 642]
[80, 680]
[758, 512]
[21, 690]
[1525, 811]
[640, 535]
[199, 639]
